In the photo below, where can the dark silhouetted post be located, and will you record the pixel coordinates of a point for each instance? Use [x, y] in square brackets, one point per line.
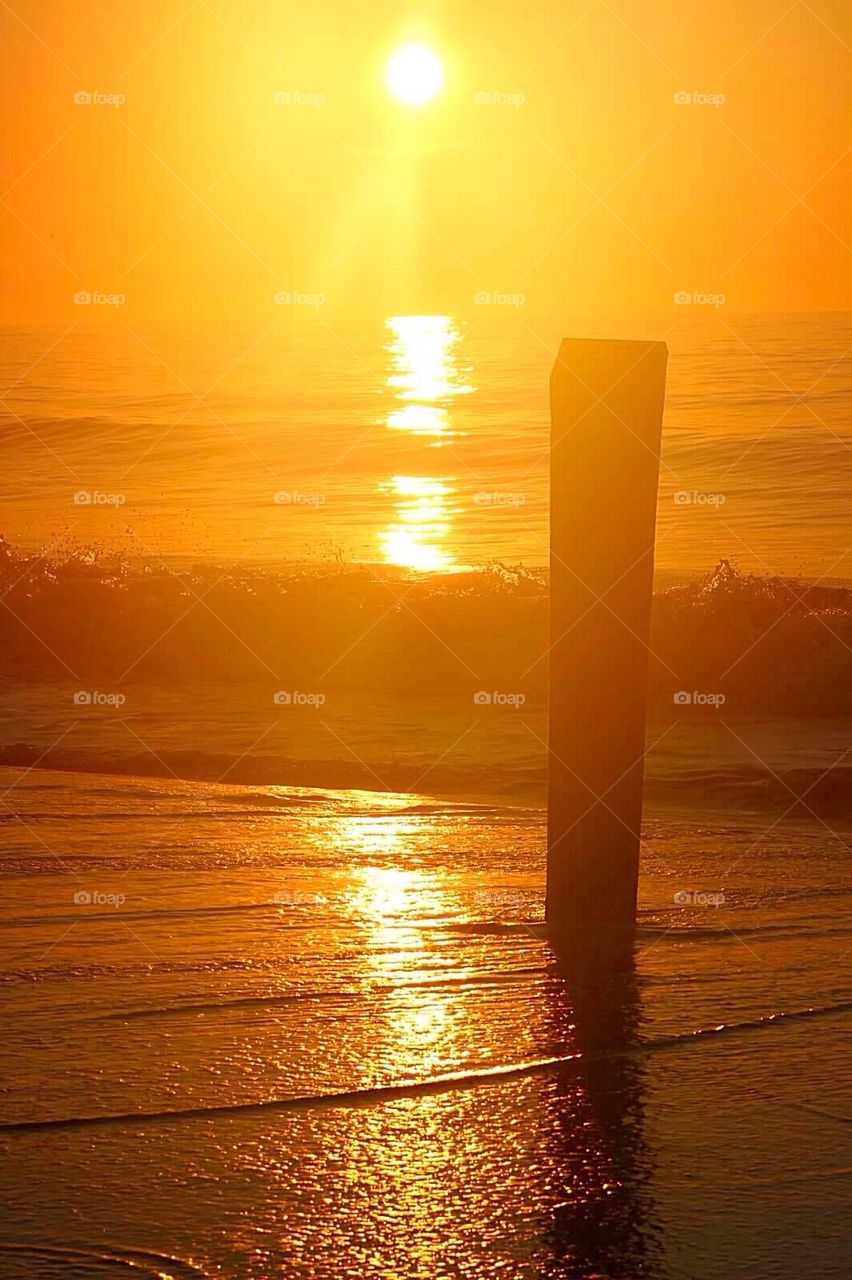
[606, 407]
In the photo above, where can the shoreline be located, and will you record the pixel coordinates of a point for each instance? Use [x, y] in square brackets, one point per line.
[706, 800]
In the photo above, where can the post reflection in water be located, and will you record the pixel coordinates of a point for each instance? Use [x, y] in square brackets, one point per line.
[425, 377]
[602, 1223]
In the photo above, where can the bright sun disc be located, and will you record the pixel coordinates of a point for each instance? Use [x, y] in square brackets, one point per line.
[414, 74]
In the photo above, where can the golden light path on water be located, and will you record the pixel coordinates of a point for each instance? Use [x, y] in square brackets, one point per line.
[422, 523]
[395, 905]
[425, 376]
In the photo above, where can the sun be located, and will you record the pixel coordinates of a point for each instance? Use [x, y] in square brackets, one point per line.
[414, 74]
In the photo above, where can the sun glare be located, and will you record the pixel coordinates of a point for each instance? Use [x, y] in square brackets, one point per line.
[414, 75]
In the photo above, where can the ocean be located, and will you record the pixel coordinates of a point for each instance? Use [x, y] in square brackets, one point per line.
[279, 1000]
[179, 620]
[415, 441]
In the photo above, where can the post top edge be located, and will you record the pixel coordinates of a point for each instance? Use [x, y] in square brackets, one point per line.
[600, 356]
[602, 344]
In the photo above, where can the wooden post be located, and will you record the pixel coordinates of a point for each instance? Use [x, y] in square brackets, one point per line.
[606, 410]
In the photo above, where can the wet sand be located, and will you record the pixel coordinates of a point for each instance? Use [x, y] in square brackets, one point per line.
[306, 1033]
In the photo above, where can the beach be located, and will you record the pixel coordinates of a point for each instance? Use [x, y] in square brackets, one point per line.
[261, 1031]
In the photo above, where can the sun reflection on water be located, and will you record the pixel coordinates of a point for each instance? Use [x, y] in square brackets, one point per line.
[425, 371]
[396, 909]
[422, 523]
[425, 376]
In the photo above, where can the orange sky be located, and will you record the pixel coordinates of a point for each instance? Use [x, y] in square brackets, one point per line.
[580, 185]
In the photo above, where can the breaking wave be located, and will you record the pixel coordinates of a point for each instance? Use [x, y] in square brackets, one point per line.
[769, 644]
